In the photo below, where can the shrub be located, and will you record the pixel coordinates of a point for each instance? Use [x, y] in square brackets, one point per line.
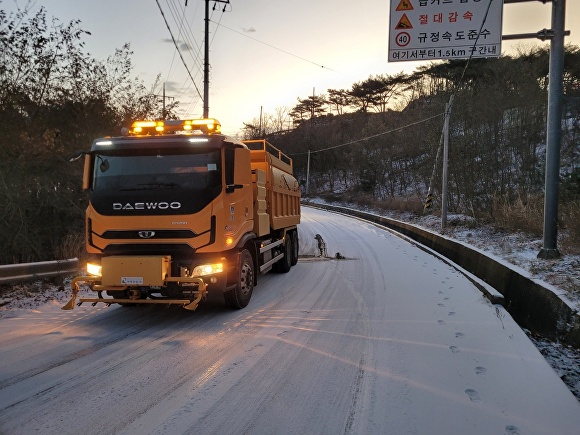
[521, 214]
[571, 222]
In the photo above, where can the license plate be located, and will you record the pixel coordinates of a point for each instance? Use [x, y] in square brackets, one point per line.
[132, 280]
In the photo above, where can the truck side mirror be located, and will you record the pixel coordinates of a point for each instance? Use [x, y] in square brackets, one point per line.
[76, 156]
[229, 156]
[87, 172]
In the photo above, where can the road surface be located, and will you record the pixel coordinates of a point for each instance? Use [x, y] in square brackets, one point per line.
[388, 340]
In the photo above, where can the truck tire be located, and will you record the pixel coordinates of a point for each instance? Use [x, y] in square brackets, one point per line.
[239, 296]
[295, 246]
[284, 265]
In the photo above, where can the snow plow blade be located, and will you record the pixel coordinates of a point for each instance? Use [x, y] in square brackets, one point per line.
[188, 304]
[75, 290]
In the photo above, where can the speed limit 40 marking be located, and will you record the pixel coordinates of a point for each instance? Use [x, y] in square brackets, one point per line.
[403, 39]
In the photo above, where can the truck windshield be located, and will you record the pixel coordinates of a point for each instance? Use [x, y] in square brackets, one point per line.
[160, 182]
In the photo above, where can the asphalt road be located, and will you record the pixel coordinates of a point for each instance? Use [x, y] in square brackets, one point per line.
[388, 340]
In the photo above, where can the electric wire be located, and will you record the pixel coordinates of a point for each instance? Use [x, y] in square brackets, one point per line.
[186, 37]
[474, 46]
[352, 142]
[275, 48]
[174, 53]
[185, 34]
[195, 51]
[177, 48]
[452, 96]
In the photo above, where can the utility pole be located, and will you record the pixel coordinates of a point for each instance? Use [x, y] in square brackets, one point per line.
[206, 57]
[554, 122]
[444, 199]
[164, 97]
[554, 132]
[307, 174]
[312, 108]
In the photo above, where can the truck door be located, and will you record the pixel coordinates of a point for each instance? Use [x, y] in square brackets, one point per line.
[238, 197]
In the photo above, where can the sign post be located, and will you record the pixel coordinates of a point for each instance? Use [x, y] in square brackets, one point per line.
[554, 132]
[421, 30]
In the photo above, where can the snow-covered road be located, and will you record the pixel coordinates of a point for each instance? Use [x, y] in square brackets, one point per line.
[388, 340]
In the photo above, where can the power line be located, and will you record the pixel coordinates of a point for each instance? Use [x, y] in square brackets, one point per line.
[275, 48]
[177, 48]
[183, 37]
[178, 13]
[371, 137]
[472, 52]
[207, 20]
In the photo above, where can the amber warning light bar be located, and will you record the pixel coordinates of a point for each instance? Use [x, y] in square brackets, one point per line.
[175, 126]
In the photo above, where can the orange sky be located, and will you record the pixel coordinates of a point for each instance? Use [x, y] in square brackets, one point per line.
[265, 53]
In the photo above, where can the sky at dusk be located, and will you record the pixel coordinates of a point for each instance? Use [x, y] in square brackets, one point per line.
[264, 55]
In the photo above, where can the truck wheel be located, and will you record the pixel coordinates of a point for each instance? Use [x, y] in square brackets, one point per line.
[285, 263]
[240, 295]
[295, 245]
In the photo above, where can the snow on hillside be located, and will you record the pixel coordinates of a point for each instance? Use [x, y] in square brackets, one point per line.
[517, 249]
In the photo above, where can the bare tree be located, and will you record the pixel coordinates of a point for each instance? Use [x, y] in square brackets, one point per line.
[54, 99]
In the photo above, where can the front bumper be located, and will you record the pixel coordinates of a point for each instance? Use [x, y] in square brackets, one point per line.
[199, 292]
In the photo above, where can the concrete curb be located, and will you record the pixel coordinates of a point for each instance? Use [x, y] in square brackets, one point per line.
[531, 303]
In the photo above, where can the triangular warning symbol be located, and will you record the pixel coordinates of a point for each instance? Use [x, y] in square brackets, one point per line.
[404, 5]
[404, 23]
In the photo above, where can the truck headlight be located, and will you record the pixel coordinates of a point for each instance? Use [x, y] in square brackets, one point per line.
[207, 269]
[94, 269]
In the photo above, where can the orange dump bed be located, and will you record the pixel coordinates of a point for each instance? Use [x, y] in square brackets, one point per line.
[282, 193]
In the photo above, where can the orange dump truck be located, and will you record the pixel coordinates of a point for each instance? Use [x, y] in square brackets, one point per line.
[177, 210]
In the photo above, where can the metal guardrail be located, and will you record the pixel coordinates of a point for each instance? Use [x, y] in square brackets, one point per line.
[15, 273]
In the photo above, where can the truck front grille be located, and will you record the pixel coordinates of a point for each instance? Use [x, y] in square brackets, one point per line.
[148, 234]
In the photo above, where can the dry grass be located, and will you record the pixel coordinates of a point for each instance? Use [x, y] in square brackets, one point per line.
[570, 215]
[522, 214]
[73, 246]
[527, 215]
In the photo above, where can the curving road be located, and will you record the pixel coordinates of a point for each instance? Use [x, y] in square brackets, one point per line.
[387, 340]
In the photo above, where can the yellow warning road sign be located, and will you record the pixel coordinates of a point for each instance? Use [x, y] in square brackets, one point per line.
[404, 5]
[404, 23]
[424, 30]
